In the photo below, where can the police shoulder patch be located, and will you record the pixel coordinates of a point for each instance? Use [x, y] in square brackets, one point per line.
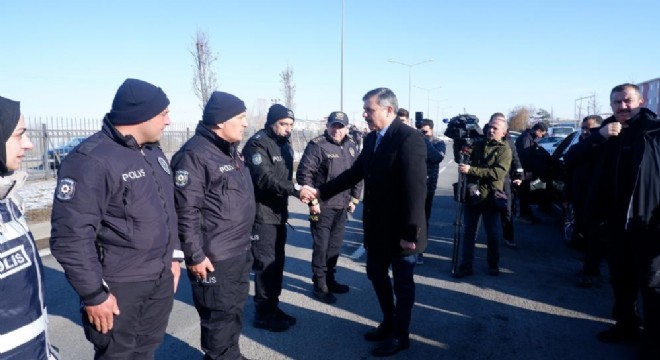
[181, 178]
[352, 151]
[66, 189]
[256, 159]
[163, 163]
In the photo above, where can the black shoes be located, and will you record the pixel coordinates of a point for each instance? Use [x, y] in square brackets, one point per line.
[337, 288]
[462, 272]
[619, 334]
[276, 321]
[284, 316]
[322, 293]
[493, 271]
[391, 347]
[270, 322]
[510, 244]
[382, 332]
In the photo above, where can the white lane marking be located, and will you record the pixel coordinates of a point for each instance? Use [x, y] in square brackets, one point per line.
[443, 169]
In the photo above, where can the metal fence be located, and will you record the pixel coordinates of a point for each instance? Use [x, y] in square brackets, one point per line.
[48, 134]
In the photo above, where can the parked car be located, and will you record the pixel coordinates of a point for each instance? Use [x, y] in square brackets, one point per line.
[557, 168]
[514, 135]
[55, 156]
[561, 130]
[550, 143]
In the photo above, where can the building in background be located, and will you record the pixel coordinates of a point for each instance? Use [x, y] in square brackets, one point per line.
[651, 93]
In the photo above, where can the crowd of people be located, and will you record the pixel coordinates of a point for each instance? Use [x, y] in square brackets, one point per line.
[125, 218]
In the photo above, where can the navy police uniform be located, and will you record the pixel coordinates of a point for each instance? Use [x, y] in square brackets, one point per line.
[270, 160]
[114, 230]
[323, 160]
[215, 203]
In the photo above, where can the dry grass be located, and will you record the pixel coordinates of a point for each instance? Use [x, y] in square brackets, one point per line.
[38, 215]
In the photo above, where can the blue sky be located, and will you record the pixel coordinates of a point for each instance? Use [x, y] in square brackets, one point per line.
[67, 58]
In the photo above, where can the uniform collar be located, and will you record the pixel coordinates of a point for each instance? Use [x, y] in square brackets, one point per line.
[222, 144]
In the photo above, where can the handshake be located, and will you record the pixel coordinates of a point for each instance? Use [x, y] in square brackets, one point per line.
[308, 194]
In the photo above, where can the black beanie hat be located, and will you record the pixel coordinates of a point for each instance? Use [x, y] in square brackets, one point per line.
[10, 113]
[137, 101]
[278, 112]
[221, 107]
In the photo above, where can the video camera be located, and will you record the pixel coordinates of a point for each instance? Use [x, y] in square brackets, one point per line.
[463, 129]
[419, 116]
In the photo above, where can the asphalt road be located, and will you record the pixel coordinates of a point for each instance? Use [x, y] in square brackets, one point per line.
[533, 310]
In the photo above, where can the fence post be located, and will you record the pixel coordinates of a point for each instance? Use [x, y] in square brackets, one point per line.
[44, 146]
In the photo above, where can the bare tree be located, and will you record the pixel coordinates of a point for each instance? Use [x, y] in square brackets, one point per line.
[204, 79]
[288, 87]
[519, 118]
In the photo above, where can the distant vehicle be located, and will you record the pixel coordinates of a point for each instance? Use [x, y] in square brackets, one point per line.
[560, 131]
[558, 170]
[514, 135]
[56, 156]
[550, 143]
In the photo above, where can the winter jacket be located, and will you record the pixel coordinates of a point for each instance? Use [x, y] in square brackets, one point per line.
[23, 315]
[322, 161]
[270, 160]
[214, 198]
[490, 161]
[435, 152]
[113, 214]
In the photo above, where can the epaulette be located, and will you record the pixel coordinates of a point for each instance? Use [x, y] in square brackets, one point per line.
[318, 139]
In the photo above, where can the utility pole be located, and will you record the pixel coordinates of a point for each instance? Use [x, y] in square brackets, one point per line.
[410, 66]
[578, 110]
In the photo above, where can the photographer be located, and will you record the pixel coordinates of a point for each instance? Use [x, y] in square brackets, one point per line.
[489, 163]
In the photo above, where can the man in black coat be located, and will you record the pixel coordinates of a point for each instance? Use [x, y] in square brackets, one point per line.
[528, 151]
[625, 197]
[393, 166]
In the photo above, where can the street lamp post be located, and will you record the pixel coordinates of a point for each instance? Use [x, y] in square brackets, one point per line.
[410, 66]
[437, 109]
[428, 97]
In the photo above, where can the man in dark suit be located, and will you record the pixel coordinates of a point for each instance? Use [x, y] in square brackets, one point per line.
[393, 166]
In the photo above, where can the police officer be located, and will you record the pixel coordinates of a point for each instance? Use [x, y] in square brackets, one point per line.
[215, 203]
[325, 157]
[269, 156]
[114, 227]
[23, 314]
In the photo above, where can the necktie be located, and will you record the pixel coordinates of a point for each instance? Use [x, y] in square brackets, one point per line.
[378, 139]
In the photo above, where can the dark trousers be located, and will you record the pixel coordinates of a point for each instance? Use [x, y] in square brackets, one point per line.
[472, 218]
[328, 236]
[428, 205]
[506, 216]
[219, 301]
[594, 251]
[268, 253]
[623, 277]
[396, 314]
[145, 308]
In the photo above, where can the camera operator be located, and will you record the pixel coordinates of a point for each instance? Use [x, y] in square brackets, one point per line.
[435, 153]
[513, 178]
[489, 163]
